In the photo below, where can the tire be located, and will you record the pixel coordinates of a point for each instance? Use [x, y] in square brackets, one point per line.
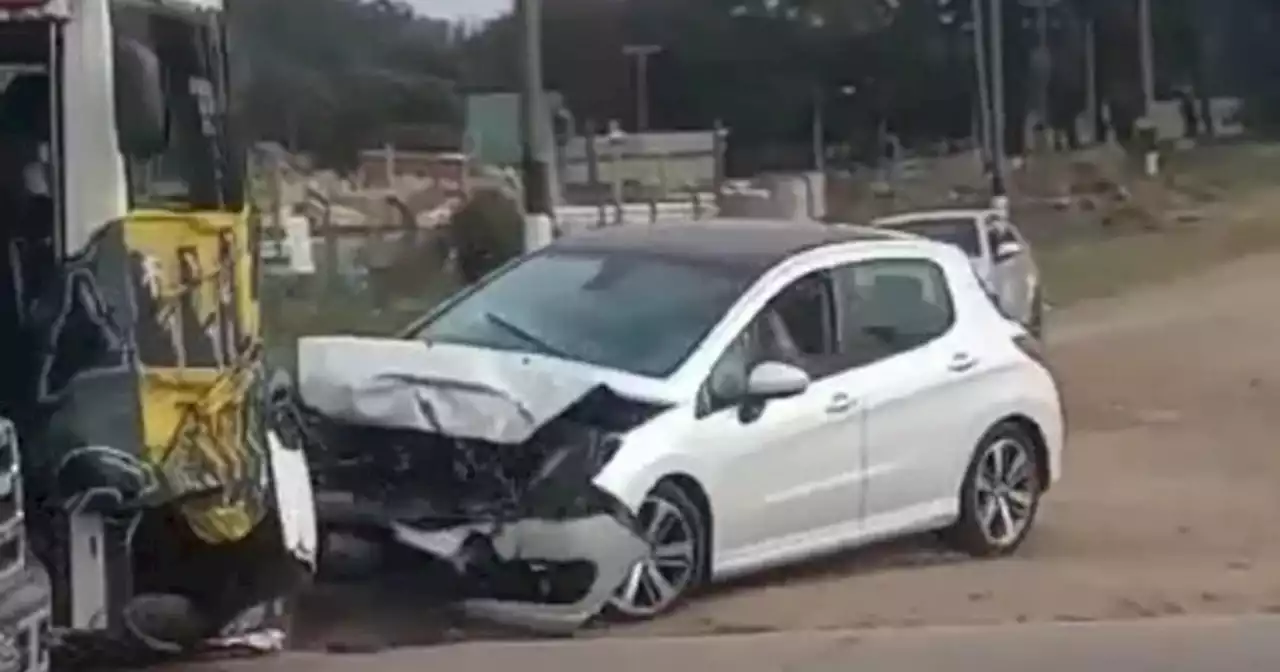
[679, 538]
[999, 499]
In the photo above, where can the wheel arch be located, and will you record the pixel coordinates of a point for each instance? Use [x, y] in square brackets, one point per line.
[698, 494]
[1034, 432]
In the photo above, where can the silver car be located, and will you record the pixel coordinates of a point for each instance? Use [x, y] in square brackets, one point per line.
[1000, 254]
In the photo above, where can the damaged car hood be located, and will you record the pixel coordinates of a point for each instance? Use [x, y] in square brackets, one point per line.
[454, 390]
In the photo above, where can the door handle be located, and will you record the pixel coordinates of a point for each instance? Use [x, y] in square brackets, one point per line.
[962, 361]
[840, 403]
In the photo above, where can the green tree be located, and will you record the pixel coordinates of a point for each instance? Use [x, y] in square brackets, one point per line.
[332, 77]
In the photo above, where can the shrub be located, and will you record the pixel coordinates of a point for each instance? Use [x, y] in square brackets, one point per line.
[487, 232]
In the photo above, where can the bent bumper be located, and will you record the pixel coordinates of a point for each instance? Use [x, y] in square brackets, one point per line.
[550, 571]
[609, 546]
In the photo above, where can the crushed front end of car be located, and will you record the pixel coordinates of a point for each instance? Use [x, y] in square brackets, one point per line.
[483, 463]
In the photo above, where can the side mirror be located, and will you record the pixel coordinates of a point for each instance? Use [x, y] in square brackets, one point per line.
[1009, 248]
[142, 119]
[775, 380]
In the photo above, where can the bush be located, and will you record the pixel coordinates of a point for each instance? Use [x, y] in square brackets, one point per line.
[487, 232]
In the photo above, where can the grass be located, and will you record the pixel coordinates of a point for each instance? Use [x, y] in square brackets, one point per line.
[1233, 193]
[1104, 267]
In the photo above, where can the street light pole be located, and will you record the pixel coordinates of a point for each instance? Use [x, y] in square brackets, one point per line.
[1146, 56]
[642, 52]
[533, 160]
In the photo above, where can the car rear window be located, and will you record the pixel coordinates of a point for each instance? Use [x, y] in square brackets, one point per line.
[959, 231]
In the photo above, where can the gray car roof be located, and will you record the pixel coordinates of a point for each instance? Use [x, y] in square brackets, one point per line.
[751, 245]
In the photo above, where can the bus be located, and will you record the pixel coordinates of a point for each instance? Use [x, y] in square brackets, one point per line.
[145, 504]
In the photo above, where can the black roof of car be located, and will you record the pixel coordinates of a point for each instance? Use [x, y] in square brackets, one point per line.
[752, 245]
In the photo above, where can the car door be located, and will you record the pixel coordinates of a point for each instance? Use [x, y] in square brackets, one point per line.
[790, 467]
[1011, 272]
[1022, 270]
[908, 366]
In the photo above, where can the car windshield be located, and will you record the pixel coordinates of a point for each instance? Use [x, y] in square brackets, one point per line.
[959, 231]
[642, 314]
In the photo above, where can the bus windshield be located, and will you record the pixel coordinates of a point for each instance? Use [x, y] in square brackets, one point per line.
[195, 170]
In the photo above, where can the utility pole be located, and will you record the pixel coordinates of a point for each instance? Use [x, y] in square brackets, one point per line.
[819, 132]
[1044, 65]
[616, 140]
[980, 52]
[1146, 57]
[819, 123]
[537, 185]
[642, 52]
[997, 101]
[1091, 79]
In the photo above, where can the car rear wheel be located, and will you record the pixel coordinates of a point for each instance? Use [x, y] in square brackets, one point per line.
[675, 529]
[1000, 495]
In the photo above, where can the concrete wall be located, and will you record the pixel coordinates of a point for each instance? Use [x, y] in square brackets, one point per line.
[676, 159]
[788, 196]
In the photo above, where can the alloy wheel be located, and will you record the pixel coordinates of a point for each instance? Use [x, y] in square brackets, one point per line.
[1005, 489]
[666, 572]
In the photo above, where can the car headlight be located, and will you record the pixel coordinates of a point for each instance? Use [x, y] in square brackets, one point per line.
[604, 450]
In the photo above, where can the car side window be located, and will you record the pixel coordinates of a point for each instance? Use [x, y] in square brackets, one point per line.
[802, 319]
[797, 326]
[891, 306]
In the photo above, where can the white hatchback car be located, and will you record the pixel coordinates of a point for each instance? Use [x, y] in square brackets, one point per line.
[611, 421]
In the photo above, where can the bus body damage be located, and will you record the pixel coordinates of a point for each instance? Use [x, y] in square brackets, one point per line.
[484, 463]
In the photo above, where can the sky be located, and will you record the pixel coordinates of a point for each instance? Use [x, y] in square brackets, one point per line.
[469, 10]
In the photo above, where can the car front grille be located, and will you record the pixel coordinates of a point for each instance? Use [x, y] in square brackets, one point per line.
[12, 529]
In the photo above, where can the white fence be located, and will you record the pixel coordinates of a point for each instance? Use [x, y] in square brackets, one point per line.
[575, 218]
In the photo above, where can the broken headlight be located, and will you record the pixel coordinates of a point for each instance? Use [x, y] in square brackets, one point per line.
[605, 448]
[560, 488]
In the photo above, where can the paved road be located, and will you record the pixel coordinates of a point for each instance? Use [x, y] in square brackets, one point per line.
[1201, 644]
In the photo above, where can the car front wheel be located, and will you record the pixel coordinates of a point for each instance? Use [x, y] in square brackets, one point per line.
[1000, 495]
[675, 529]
